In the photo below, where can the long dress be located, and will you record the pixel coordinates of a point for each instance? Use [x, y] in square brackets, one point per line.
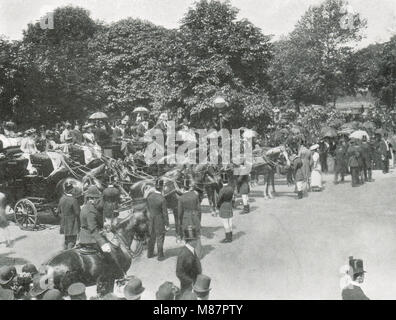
[316, 174]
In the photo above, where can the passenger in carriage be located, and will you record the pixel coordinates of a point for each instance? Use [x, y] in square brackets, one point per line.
[65, 136]
[28, 144]
[88, 135]
[9, 129]
[41, 141]
[76, 134]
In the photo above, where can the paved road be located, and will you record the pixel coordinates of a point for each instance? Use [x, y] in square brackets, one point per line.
[283, 249]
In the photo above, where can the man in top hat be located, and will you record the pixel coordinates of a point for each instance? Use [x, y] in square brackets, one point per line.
[69, 210]
[76, 291]
[167, 291]
[201, 287]
[189, 213]
[158, 222]
[188, 265]
[133, 289]
[353, 290]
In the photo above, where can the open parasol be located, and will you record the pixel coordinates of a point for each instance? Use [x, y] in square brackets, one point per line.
[98, 116]
[140, 109]
[351, 125]
[359, 134]
[328, 132]
[369, 125]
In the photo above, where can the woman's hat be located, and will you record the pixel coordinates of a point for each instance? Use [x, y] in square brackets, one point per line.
[89, 125]
[7, 273]
[190, 233]
[314, 147]
[202, 284]
[93, 192]
[133, 289]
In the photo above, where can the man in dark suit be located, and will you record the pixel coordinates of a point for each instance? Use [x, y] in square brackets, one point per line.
[189, 213]
[188, 265]
[340, 160]
[354, 162]
[69, 211]
[367, 155]
[158, 222]
[224, 205]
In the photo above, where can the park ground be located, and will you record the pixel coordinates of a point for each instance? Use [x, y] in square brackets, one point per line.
[284, 249]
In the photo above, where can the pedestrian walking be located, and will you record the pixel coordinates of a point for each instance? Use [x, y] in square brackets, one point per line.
[158, 222]
[316, 174]
[354, 163]
[69, 210]
[384, 150]
[340, 160]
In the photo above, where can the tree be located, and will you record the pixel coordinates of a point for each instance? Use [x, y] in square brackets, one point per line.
[311, 65]
[55, 63]
[228, 57]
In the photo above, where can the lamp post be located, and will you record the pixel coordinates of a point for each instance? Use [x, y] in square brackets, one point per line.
[220, 103]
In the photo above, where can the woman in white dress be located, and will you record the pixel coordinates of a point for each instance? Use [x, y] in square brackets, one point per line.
[316, 173]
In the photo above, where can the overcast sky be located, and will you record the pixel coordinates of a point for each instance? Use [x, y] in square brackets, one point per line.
[276, 17]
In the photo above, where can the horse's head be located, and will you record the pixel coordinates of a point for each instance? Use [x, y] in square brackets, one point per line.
[136, 223]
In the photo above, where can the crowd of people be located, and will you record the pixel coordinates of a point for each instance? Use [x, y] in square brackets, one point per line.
[83, 226]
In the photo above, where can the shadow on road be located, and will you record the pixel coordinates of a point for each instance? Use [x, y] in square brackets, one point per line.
[209, 232]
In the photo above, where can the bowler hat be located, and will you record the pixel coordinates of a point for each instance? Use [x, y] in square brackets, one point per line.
[6, 294]
[7, 273]
[166, 291]
[29, 268]
[40, 285]
[76, 289]
[52, 294]
[356, 265]
[190, 233]
[93, 192]
[133, 289]
[202, 284]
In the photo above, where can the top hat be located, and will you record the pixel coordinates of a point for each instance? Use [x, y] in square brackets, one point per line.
[76, 289]
[52, 294]
[133, 289]
[190, 233]
[7, 273]
[29, 268]
[40, 285]
[202, 284]
[166, 291]
[93, 192]
[356, 265]
[6, 294]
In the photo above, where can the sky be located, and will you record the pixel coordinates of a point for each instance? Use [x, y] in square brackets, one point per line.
[276, 17]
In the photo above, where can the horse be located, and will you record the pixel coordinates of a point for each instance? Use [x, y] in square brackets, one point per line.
[86, 265]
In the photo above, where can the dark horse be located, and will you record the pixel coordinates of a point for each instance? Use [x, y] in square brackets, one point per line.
[83, 265]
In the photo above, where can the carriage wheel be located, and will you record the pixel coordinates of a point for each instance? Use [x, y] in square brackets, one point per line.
[25, 214]
[137, 247]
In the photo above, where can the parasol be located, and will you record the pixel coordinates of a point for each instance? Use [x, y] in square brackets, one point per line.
[346, 131]
[140, 109]
[350, 125]
[336, 123]
[98, 116]
[369, 125]
[359, 134]
[328, 132]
